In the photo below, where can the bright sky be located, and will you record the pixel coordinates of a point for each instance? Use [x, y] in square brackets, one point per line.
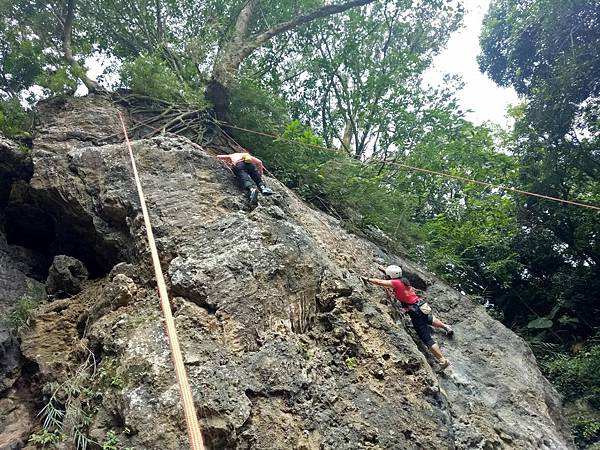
[482, 96]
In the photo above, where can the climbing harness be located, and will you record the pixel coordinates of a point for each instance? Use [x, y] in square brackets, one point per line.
[187, 400]
[424, 307]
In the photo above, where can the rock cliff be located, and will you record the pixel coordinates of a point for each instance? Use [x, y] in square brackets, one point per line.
[284, 346]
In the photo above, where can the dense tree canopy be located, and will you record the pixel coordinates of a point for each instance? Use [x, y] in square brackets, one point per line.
[358, 81]
[550, 52]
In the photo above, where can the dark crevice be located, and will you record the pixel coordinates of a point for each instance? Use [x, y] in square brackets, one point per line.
[29, 369]
[416, 280]
[29, 227]
[26, 225]
[281, 393]
[14, 166]
[27, 385]
[82, 325]
[210, 309]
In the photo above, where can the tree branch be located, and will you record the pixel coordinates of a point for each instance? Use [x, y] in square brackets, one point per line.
[323, 11]
[159, 22]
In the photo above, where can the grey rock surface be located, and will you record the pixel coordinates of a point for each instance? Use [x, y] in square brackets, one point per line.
[15, 279]
[15, 164]
[10, 357]
[65, 276]
[284, 346]
[20, 270]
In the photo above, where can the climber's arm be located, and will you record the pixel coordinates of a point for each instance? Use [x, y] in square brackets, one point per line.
[378, 282]
[259, 165]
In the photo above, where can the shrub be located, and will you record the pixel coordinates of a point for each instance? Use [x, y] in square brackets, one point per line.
[150, 75]
[351, 363]
[20, 317]
[15, 121]
[586, 431]
[576, 376]
[45, 438]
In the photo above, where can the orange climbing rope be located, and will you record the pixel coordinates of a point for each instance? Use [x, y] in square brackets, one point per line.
[184, 388]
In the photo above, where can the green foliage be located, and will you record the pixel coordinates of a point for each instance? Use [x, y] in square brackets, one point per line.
[546, 51]
[45, 438]
[576, 376]
[468, 229]
[586, 431]
[108, 374]
[541, 45]
[21, 315]
[21, 61]
[111, 442]
[356, 79]
[59, 81]
[69, 409]
[150, 75]
[31, 50]
[255, 108]
[73, 403]
[15, 121]
[351, 363]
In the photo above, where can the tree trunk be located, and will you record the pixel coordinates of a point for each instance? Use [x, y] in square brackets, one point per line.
[234, 50]
[347, 137]
[92, 85]
[229, 57]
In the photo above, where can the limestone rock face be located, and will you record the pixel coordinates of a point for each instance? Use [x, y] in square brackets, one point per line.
[15, 164]
[18, 265]
[10, 357]
[21, 270]
[284, 346]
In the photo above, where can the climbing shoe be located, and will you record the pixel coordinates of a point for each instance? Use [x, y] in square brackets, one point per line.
[266, 190]
[253, 196]
[443, 364]
[449, 332]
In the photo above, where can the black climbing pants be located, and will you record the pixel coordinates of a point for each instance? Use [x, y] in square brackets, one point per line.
[421, 322]
[247, 172]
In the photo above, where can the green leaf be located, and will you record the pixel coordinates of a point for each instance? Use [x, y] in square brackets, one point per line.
[541, 323]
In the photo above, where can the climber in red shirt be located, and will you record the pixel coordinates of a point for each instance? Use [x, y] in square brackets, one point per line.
[418, 311]
[247, 169]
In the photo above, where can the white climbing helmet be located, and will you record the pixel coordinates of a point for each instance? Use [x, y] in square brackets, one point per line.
[393, 271]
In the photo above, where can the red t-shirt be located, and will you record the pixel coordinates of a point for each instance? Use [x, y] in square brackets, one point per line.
[404, 293]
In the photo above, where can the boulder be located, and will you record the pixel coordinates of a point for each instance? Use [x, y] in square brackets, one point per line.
[65, 276]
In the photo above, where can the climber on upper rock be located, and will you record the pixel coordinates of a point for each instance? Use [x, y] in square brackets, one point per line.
[418, 310]
[247, 168]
